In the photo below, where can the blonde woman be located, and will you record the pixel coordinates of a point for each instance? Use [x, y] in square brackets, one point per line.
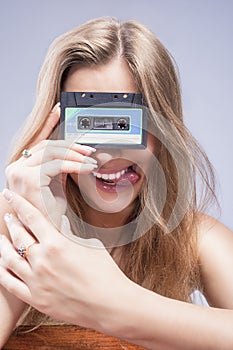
[144, 242]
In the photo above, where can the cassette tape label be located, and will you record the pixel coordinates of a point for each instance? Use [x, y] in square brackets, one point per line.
[104, 119]
[119, 125]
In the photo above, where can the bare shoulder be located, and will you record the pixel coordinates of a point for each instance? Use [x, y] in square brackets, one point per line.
[4, 208]
[207, 226]
[211, 231]
[216, 261]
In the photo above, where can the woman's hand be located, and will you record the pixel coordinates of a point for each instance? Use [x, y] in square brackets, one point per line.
[77, 283]
[41, 177]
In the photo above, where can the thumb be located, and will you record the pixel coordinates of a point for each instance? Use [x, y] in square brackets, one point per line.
[49, 125]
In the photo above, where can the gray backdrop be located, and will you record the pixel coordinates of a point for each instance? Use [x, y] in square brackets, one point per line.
[198, 34]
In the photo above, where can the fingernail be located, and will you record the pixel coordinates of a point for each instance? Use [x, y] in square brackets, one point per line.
[88, 148]
[55, 108]
[92, 149]
[7, 194]
[90, 160]
[90, 166]
[7, 217]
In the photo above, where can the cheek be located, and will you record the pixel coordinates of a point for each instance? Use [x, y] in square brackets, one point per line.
[146, 158]
[152, 144]
[145, 164]
[83, 182]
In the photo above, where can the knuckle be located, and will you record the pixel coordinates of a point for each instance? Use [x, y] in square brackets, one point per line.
[30, 217]
[11, 262]
[48, 152]
[44, 143]
[10, 287]
[19, 177]
[8, 170]
[5, 259]
[11, 172]
[41, 267]
[45, 307]
[52, 249]
[42, 306]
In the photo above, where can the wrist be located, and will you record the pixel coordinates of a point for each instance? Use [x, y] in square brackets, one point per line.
[125, 315]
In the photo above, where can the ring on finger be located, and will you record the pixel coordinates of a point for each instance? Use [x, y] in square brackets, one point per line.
[26, 153]
[23, 250]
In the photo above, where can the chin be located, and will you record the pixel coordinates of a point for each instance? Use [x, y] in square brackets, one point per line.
[110, 203]
[105, 197]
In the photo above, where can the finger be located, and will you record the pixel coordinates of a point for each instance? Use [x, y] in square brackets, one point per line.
[51, 153]
[56, 167]
[14, 285]
[83, 149]
[30, 216]
[49, 125]
[19, 235]
[31, 178]
[12, 261]
[66, 231]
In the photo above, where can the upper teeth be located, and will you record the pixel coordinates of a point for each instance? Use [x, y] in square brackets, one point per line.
[109, 176]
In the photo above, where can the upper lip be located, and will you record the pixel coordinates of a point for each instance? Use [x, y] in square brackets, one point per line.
[102, 170]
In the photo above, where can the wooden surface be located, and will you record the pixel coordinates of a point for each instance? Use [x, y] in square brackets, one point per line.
[65, 337]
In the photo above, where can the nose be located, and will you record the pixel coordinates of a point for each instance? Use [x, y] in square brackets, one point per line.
[104, 156]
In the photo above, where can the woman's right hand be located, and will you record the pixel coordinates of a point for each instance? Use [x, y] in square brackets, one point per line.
[40, 178]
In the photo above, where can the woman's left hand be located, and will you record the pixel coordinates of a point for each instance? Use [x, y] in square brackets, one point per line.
[75, 283]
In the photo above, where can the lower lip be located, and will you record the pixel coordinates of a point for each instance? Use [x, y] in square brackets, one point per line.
[120, 186]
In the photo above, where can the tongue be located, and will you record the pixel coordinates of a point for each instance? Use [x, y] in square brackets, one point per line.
[124, 180]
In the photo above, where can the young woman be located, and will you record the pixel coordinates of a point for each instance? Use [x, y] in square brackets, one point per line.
[145, 243]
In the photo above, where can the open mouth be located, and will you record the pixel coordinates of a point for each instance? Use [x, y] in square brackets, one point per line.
[122, 178]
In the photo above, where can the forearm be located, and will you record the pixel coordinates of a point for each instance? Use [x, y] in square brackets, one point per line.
[11, 309]
[155, 322]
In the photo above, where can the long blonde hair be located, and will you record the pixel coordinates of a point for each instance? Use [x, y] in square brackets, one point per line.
[164, 263]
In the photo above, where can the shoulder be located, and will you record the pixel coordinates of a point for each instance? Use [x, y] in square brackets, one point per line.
[212, 231]
[4, 208]
[216, 261]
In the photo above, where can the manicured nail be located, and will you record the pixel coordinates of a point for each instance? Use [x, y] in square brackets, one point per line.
[55, 108]
[7, 194]
[89, 166]
[89, 160]
[92, 149]
[7, 217]
[88, 148]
